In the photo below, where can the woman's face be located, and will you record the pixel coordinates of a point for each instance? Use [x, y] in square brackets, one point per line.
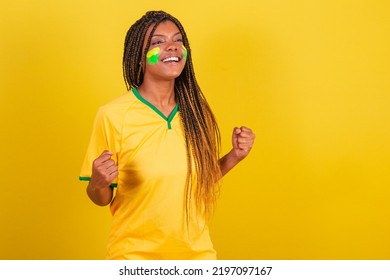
[166, 56]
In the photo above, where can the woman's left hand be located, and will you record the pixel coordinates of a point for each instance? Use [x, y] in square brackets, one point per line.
[242, 140]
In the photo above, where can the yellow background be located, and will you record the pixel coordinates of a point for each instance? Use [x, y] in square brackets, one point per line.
[311, 78]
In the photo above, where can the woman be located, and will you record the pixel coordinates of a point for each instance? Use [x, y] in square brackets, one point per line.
[159, 146]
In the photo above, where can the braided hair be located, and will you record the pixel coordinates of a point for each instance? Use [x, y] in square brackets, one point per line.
[201, 131]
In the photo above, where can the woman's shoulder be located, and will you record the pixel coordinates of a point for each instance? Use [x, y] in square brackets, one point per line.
[118, 105]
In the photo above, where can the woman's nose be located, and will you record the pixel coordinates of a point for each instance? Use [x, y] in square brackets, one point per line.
[173, 46]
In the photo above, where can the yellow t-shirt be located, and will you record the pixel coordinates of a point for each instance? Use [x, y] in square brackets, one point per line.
[149, 220]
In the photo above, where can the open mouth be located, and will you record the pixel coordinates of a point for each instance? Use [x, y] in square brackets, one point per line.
[171, 59]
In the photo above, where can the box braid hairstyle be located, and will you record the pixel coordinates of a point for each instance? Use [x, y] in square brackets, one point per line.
[200, 127]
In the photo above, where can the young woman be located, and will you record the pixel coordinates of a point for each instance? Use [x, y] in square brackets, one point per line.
[154, 152]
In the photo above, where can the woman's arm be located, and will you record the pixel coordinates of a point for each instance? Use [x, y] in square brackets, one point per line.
[104, 171]
[242, 141]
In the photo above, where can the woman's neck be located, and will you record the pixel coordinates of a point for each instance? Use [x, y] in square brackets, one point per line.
[161, 95]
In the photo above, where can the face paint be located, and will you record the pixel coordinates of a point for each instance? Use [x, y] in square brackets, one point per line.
[185, 52]
[153, 55]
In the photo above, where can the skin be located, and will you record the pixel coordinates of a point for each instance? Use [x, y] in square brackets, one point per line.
[104, 172]
[158, 89]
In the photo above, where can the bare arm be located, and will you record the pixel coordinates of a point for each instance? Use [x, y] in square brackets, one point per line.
[227, 162]
[242, 141]
[100, 196]
[104, 171]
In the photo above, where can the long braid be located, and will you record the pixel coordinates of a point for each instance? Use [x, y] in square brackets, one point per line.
[200, 127]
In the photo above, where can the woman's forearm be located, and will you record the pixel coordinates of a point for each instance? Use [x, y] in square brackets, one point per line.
[100, 196]
[227, 162]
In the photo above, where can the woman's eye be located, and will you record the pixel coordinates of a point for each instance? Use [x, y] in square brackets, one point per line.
[157, 43]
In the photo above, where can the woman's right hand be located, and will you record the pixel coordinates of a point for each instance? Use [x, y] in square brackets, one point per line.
[104, 171]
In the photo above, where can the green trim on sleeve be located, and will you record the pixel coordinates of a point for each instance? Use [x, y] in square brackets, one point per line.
[84, 178]
[151, 106]
[81, 178]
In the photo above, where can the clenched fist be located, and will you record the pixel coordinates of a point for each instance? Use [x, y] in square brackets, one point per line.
[242, 140]
[104, 171]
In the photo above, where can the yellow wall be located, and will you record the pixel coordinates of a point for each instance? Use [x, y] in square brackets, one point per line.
[310, 77]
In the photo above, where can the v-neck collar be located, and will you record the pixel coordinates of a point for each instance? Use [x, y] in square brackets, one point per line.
[151, 106]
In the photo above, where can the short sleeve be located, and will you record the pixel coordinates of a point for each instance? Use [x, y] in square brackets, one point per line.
[104, 137]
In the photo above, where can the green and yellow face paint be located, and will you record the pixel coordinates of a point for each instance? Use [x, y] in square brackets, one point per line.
[153, 55]
[184, 53]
